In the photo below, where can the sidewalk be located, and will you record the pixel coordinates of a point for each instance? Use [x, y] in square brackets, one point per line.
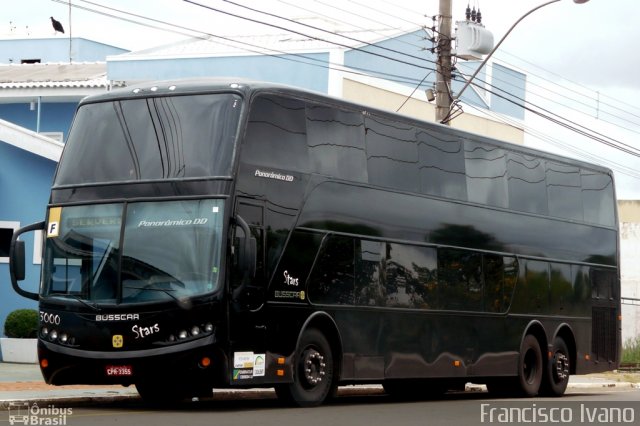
[24, 383]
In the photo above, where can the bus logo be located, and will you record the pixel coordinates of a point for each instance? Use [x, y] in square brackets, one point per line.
[117, 340]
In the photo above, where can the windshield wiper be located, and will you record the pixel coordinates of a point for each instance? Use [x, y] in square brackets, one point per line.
[164, 290]
[88, 304]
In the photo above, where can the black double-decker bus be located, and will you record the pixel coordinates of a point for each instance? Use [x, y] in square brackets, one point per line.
[215, 233]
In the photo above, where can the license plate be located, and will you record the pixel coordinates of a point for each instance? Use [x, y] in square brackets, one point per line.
[119, 370]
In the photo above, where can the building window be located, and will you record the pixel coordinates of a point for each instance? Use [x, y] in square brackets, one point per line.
[6, 233]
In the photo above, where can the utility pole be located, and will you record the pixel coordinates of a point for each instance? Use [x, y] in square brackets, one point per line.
[443, 67]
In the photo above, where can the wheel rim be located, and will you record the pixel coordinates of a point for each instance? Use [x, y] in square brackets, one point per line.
[530, 366]
[560, 367]
[313, 368]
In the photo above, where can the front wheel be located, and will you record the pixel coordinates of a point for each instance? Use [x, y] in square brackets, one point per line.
[313, 376]
[558, 369]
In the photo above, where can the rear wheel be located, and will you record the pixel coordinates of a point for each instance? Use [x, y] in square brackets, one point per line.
[558, 370]
[313, 376]
[530, 366]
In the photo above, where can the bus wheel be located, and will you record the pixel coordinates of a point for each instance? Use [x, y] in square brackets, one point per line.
[530, 366]
[313, 378]
[558, 369]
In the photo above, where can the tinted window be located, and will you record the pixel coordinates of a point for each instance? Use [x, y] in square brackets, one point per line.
[486, 174]
[392, 154]
[597, 198]
[153, 138]
[441, 165]
[527, 183]
[561, 290]
[460, 280]
[500, 275]
[332, 278]
[536, 286]
[564, 191]
[581, 290]
[336, 143]
[411, 273]
[276, 134]
[370, 256]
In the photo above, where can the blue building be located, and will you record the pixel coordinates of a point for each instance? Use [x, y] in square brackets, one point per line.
[39, 91]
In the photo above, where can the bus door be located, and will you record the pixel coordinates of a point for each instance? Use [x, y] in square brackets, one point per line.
[248, 283]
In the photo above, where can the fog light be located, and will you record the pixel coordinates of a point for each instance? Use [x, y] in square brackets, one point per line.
[195, 330]
[182, 334]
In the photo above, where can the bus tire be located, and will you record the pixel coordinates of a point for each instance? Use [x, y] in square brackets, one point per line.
[558, 370]
[313, 375]
[530, 366]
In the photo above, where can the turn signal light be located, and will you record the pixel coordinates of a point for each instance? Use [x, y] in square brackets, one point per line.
[44, 363]
[205, 362]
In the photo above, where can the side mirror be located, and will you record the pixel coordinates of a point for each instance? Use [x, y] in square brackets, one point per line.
[247, 249]
[17, 260]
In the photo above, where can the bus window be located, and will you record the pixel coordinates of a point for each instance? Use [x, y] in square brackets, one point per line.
[561, 290]
[598, 198]
[276, 134]
[526, 182]
[411, 273]
[460, 280]
[332, 278]
[581, 290]
[392, 150]
[485, 166]
[369, 288]
[564, 191]
[500, 274]
[441, 165]
[336, 143]
[126, 144]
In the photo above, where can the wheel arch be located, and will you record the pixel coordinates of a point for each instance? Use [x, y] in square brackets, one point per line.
[326, 324]
[565, 332]
[537, 330]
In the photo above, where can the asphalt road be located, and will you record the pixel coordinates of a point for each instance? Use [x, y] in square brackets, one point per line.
[601, 407]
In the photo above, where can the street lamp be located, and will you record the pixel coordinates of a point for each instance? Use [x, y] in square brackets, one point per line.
[500, 42]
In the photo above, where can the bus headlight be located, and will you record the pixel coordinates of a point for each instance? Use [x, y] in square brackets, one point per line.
[53, 335]
[195, 330]
[183, 334]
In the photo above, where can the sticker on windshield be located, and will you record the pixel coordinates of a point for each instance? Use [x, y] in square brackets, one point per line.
[53, 227]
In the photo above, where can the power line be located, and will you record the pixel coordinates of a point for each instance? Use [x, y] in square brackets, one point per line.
[570, 125]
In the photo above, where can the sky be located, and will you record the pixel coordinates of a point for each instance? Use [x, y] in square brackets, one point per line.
[579, 59]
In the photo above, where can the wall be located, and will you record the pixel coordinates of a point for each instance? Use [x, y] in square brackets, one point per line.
[54, 49]
[54, 117]
[310, 72]
[390, 100]
[25, 180]
[629, 213]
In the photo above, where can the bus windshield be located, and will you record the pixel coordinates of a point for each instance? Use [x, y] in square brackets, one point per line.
[163, 250]
[170, 137]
